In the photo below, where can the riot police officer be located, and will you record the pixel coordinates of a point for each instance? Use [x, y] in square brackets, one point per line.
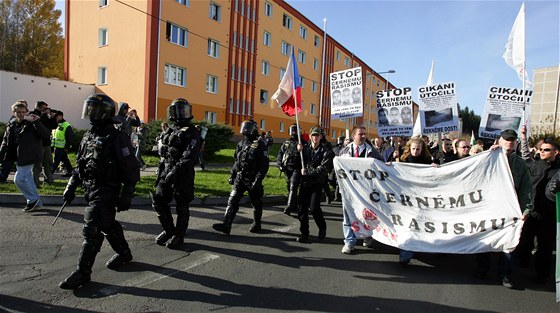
[249, 169]
[318, 158]
[108, 171]
[179, 152]
[289, 162]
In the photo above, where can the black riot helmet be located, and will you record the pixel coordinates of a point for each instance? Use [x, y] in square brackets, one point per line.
[99, 107]
[180, 110]
[249, 129]
[293, 130]
[123, 108]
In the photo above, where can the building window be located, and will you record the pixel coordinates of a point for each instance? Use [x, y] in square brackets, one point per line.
[211, 84]
[315, 64]
[301, 57]
[282, 72]
[215, 12]
[263, 124]
[102, 39]
[103, 3]
[286, 47]
[313, 86]
[265, 68]
[346, 61]
[302, 32]
[210, 117]
[281, 127]
[316, 41]
[264, 96]
[312, 109]
[302, 81]
[338, 55]
[102, 76]
[287, 21]
[333, 134]
[175, 75]
[177, 35]
[267, 9]
[213, 48]
[186, 3]
[267, 38]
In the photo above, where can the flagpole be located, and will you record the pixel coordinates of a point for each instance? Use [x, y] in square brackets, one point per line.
[322, 73]
[297, 109]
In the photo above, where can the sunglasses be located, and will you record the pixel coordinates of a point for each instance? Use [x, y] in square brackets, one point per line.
[465, 147]
[546, 149]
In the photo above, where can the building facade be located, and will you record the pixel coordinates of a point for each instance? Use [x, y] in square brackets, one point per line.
[545, 111]
[225, 57]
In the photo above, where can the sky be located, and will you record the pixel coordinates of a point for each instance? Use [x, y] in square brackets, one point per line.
[466, 39]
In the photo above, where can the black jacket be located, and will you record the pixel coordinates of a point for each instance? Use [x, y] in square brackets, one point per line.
[541, 173]
[23, 142]
[318, 163]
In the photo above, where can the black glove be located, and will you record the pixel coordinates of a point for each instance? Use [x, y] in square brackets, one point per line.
[69, 194]
[554, 185]
[123, 204]
[170, 177]
[230, 180]
[70, 191]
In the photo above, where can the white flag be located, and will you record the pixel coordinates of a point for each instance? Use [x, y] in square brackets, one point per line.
[515, 47]
[417, 131]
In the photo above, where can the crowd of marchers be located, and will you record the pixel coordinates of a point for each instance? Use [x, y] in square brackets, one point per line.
[108, 165]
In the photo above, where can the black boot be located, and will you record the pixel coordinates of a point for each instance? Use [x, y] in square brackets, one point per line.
[82, 275]
[221, 227]
[175, 242]
[182, 224]
[75, 280]
[166, 221]
[256, 226]
[162, 238]
[225, 227]
[302, 238]
[119, 259]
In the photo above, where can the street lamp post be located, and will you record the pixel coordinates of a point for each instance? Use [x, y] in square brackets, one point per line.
[371, 90]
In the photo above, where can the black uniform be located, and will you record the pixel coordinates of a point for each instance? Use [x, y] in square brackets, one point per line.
[289, 161]
[108, 171]
[318, 163]
[179, 153]
[249, 169]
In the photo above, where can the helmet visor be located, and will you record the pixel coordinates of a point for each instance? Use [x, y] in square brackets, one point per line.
[94, 110]
[179, 111]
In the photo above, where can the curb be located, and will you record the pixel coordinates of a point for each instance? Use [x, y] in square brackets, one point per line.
[57, 200]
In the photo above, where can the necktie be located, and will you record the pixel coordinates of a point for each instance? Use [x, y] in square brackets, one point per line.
[357, 152]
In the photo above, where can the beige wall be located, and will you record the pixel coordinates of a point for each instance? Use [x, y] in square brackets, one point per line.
[124, 56]
[544, 105]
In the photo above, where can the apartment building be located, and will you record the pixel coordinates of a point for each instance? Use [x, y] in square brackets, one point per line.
[225, 57]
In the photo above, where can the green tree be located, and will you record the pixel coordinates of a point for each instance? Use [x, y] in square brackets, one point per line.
[31, 40]
[471, 121]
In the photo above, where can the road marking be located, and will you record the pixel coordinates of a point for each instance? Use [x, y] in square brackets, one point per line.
[151, 278]
[285, 229]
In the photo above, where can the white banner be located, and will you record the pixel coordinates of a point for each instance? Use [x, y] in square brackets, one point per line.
[438, 108]
[394, 112]
[467, 206]
[346, 93]
[504, 110]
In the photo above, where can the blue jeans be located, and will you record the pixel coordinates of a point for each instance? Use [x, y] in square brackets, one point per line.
[349, 236]
[25, 183]
[405, 256]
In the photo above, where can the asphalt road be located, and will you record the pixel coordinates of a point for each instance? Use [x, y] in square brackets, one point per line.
[243, 272]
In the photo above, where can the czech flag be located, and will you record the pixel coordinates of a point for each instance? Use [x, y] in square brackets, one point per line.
[289, 90]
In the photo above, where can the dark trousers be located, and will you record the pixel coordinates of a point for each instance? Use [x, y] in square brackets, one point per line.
[60, 155]
[310, 200]
[505, 267]
[255, 197]
[544, 229]
[99, 222]
[293, 179]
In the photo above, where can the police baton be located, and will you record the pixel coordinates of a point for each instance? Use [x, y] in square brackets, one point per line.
[60, 211]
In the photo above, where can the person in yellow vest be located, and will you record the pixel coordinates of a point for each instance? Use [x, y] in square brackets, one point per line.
[62, 138]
